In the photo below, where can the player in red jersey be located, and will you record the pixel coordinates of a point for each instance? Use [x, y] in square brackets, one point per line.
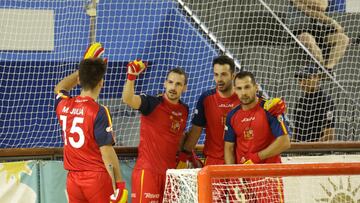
[211, 110]
[89, 157]
[162, 125]
[254, 136]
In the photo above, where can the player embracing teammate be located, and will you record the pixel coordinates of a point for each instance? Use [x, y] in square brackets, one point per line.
[211, 111]
[163, 122]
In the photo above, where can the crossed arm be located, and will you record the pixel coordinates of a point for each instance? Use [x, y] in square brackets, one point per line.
[281, 144]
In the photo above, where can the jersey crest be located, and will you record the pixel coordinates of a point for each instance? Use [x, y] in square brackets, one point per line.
[175, 124]
[248, 133]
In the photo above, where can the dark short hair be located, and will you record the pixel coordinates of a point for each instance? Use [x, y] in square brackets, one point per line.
[222, 60]
[179, 71]
[243, 74]
[91, 71]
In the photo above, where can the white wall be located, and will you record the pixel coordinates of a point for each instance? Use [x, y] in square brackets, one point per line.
[25, 29]
[352, 5]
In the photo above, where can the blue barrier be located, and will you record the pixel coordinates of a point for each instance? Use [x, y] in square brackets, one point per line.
[163, 36]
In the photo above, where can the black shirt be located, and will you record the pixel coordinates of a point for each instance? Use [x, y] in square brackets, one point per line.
[314, 112]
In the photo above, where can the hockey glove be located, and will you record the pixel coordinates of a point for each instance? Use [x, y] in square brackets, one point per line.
[95, 50]
[120, 195]
[251, 158]
[188, 160]
[275, 106]
[135, 68]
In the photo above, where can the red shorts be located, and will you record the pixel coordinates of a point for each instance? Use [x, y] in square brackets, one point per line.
[147, 186]
[89, 187]
[213, 161]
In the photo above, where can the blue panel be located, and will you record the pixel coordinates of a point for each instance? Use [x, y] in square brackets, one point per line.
[163, 36]
[337, 6]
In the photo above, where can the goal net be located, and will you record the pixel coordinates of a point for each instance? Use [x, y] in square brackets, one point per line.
[325, 182]
[42, 41]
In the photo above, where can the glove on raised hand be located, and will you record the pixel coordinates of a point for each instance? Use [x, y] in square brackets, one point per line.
[95, 50]
[135, 68]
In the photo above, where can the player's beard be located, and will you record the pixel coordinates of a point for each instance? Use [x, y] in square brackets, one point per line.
[172, 95]
[246, 100]
[224, 87]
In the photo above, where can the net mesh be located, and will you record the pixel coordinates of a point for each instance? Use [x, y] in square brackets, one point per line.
[43, 41]
[320, 188]
[181, 185]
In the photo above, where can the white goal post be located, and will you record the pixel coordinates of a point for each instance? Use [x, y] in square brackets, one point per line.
[307, 182]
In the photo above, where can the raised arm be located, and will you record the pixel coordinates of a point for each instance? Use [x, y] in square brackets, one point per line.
[128, 95]
[94, 50]
[68, 83]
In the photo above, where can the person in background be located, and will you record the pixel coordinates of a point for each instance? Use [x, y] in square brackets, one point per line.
[322, 35]
[314, 110]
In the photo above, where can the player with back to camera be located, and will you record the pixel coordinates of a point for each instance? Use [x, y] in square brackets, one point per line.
[162, 124]
[89, 156]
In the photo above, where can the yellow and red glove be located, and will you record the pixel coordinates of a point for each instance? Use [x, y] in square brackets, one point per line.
[95, 50]
[120, 195]
[251, 158]
[135, 68]
[188, 160]
[275, 106]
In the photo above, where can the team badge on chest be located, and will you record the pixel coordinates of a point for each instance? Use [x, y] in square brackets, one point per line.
[175, 124]
[248, 133]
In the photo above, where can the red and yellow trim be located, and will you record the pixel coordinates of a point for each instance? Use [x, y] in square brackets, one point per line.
[280, 189]
[283, 127]
[60, 94]
[108, 115]
[142, 184]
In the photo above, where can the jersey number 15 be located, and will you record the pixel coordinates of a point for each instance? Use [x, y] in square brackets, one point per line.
[73, 129]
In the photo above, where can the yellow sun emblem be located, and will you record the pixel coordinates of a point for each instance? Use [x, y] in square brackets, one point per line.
[14, 170]
[338, 193]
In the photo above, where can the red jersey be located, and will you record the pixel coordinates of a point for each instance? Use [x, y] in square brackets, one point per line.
[253, 130]
[86, 126]
[210, 113]
[162, 125]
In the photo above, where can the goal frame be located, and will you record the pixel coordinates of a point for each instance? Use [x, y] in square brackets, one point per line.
[269, 170]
